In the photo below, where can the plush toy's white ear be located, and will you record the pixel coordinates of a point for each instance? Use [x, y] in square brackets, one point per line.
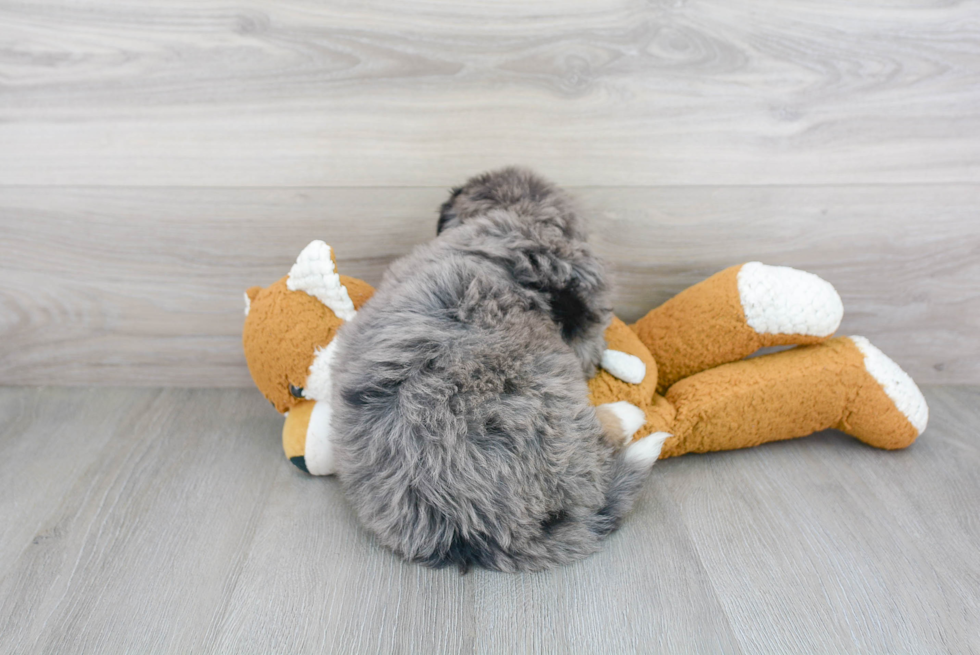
[250, 295]
[314, 273]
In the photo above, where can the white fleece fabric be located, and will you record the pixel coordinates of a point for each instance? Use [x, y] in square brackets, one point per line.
[646, 451]
[314, 273]
[319, 451]
[630, 417]
[626, 367]
[898, 385]
[783, 300]
[318, 384]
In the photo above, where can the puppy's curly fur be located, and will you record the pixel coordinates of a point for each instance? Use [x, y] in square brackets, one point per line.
[465, 435]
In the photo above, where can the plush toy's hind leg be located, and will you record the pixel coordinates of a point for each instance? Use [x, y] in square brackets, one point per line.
[845, 383]
[734, 313]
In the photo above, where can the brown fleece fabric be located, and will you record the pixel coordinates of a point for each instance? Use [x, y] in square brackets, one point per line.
[691, 343]
[294, 428]
[702, 327]
[870, 415]
[784, 395]
[358, 290]
[282, 331]
[606, 388]
[661, 415]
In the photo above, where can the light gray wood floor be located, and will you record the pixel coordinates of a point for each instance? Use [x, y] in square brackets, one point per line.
[148, 520]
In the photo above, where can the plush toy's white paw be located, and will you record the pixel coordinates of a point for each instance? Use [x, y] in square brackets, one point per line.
[626, 367]
[627, 416]
[783, 300]
[898, 385]
[646, 451]
[319, 451]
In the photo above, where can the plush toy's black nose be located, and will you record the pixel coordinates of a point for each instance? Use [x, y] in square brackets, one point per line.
[300, 463]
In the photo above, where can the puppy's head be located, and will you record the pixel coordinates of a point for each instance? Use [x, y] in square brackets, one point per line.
[512, 188]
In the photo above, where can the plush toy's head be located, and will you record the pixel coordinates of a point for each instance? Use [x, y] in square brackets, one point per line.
[289, 331]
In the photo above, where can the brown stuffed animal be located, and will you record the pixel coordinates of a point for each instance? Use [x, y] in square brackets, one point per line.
[678, 375]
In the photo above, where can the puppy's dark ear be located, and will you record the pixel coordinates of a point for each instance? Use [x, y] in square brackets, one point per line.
[572, 314]
[447, 213]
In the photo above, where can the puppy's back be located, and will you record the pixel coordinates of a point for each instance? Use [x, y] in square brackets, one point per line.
[464, 434]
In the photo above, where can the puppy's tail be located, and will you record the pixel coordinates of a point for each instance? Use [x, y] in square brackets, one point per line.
[566, 536]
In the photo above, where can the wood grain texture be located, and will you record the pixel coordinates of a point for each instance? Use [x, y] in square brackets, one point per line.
[852, 547]
[152, 534]
[168, 521]
[144, 286]
[384, 93]
[157, 157]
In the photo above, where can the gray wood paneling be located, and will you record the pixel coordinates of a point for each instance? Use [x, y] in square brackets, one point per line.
[158, 157]
[386, 93]
[144, 286]
[147, 520]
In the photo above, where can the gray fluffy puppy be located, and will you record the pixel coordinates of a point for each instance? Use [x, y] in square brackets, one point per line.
[464, 432]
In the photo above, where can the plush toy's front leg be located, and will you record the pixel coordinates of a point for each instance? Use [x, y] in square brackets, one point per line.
[845, 383]
[734, 313]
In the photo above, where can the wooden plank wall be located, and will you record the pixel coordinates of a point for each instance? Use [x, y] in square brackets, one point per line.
[156, 158]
